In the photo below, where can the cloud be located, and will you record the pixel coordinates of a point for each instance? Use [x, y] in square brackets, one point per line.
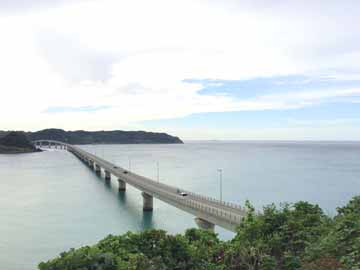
[76, 109]
[154, 59]
[74, 61]
[20, 6]
[310, 97]
[317, 123]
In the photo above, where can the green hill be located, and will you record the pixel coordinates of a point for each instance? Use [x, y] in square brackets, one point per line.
[103, 137]
[16, 142]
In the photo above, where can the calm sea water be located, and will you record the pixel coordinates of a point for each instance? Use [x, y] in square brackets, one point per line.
[50, 201]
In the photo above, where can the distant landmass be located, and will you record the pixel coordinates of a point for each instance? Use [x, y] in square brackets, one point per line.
[101, 137]
[15, 143]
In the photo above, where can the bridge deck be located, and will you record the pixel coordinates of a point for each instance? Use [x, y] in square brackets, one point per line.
[226, 215]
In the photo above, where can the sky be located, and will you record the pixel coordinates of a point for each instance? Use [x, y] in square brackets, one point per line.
[198, 69]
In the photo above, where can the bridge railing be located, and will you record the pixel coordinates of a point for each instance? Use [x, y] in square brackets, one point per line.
[227, 216]
[223, 203]
[230, 205]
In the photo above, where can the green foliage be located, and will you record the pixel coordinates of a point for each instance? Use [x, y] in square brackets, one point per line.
[283, 234]
[341, 245]
[89, 137]
[289, 237]
[15, 142]
[85, 258]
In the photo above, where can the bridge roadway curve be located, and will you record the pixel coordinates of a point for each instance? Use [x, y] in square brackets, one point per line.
[208, 211]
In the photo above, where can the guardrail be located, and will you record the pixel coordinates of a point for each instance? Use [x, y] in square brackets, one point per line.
[208, 210]
[153, 187]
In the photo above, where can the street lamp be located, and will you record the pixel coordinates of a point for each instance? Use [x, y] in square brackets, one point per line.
[220, 176]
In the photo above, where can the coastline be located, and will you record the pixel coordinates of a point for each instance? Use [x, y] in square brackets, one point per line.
[4, 150]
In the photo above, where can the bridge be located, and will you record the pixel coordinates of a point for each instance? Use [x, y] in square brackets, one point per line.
[208, 211]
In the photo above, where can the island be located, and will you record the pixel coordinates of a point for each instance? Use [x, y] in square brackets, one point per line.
[101, 137]
[15, 143]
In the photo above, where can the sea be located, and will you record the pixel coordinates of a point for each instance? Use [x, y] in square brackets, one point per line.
[50, 202]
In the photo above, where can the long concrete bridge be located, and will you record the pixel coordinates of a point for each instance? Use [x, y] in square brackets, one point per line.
[208, 211]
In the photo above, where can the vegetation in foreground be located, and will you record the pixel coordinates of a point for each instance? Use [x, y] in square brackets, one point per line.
[297, 236]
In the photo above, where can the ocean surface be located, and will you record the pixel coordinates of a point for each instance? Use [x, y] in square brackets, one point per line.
[50, 201]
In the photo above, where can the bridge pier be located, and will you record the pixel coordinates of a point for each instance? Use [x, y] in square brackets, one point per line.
[147, 202]
[97, 169]
[204, 224]
[107, 176]
[91, 164]
[122, 185]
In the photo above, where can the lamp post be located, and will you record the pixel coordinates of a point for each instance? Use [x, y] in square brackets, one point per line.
[220, 178]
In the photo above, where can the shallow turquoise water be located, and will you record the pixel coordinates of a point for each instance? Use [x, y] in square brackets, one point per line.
[51, 202]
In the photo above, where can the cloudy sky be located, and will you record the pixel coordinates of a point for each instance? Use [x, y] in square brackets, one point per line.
[215, 69]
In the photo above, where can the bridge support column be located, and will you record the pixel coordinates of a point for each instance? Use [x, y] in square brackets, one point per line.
[147, 202]
[107, 176]
[91, 164]
[204, 224]
[122, 185]
[97, 169]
